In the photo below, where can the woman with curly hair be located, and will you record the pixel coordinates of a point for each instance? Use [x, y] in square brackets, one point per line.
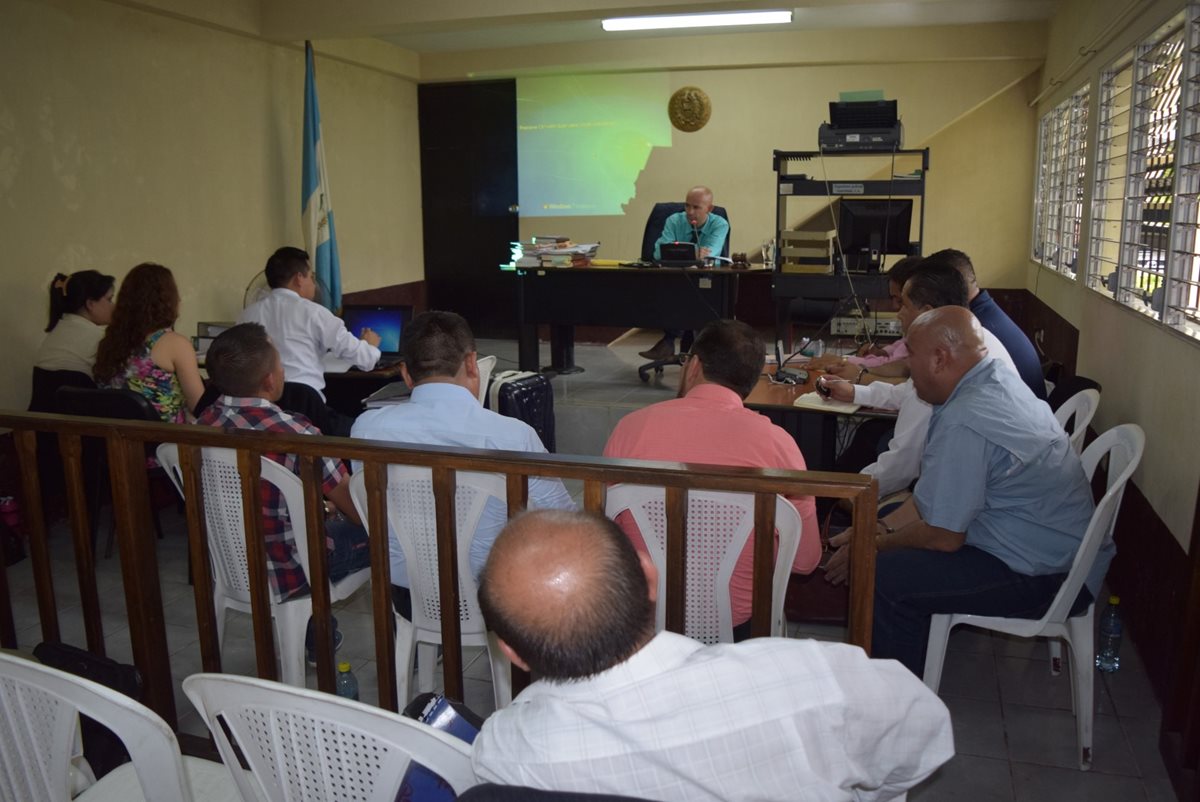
[141, 352]
[81, 305]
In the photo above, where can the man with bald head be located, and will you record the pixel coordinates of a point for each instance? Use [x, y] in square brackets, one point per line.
[1001, 506]
[996, 320]
[619, 709]
[695, 224]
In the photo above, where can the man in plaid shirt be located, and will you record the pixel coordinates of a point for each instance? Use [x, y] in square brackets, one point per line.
[245, 366]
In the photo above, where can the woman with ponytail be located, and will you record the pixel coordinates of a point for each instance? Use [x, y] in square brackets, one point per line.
[140, 350]
[81, 305]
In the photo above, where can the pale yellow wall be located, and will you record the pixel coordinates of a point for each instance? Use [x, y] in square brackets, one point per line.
[127, 135]
[1150, 376]
[980, 185]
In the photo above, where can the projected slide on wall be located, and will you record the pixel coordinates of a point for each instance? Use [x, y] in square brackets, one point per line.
[582, 141]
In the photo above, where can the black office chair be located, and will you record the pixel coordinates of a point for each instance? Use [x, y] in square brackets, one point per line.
[44, 398]
[1067, 388]
[296, 398]
[658, 219]
[654, 227]
[122, 404]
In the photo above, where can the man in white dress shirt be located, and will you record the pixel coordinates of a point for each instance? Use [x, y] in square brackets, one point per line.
[304, 331]
[619, 709]
[929, 287]
[441, 367]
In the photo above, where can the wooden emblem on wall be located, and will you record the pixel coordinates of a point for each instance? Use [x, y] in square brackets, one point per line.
[689, 108]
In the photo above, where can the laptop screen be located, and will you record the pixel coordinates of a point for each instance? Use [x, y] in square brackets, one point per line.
[677, 254]
[386, 321]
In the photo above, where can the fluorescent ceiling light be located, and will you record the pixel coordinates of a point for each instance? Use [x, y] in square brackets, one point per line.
[697, 20]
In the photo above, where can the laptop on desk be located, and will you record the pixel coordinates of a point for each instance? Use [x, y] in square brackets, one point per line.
[678, 254]
[388, 321]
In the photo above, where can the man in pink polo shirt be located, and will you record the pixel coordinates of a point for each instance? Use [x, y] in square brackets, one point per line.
[707, 423]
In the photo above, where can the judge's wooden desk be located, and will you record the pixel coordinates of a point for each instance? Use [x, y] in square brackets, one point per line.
[653, 297]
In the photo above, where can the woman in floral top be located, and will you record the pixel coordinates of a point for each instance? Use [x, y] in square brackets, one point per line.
[141, 352]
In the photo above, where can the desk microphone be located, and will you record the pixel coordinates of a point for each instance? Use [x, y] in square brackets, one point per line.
[786, 375]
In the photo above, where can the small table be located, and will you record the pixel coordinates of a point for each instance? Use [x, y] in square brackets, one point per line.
[814, 430]
[345, 390]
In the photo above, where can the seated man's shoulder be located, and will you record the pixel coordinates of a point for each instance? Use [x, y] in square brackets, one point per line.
[514, 428]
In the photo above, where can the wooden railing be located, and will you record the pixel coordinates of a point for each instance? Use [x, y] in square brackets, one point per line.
[126, 442]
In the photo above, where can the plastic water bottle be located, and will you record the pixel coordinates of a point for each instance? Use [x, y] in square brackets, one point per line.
[1109, 658]
[347, 683]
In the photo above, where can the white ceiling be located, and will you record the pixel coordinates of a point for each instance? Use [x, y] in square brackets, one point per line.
[528, 30]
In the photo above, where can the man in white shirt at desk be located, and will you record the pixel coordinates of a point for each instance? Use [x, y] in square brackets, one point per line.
[302, 330]
[895, 469]
[440, 365]
[618, 709]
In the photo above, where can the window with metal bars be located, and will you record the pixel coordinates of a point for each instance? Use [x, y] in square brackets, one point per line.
[1145, 213]
[1062, 168]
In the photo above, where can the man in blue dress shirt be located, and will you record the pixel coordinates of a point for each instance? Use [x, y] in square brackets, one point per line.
[440, 365]
[1001, 506]
[708, 231]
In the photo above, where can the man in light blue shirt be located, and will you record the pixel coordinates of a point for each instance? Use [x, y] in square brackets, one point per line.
[696, 224]
[440, 365]
[1001, 506]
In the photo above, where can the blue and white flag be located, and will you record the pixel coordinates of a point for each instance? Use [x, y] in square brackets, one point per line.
[316, 211]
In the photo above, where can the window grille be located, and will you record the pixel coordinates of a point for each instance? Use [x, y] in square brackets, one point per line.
[1145, 212]
[1062, 167]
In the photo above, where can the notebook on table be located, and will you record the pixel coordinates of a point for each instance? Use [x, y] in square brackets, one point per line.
[388, 321]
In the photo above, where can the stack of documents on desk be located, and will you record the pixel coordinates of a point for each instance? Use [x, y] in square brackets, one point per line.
[815, 401]
[552, 251]
[572, 256]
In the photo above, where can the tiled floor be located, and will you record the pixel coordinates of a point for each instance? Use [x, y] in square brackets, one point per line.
[1013, 726]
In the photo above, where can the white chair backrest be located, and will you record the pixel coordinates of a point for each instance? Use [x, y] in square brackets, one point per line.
[412, 519]
[487, 364]
[718, 526]
[1123, 445]
[39, 716]
[223, 515]
[301, 744]
[1083, 406]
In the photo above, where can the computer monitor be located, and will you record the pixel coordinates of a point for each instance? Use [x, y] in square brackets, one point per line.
[385, 320]
[870, 229]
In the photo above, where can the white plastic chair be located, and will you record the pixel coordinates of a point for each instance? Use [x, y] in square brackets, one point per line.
[39, 723]
[306, 745]
[1123, 445]
[413, 522]
[718, 527]
[487, 364]
[224, 521]
[1083, 406]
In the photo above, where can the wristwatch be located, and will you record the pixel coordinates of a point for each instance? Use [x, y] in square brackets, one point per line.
[861, 371]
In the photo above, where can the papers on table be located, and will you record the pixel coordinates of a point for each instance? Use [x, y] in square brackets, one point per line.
[815, 401]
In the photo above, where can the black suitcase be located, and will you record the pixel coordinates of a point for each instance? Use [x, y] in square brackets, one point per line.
[527, 396]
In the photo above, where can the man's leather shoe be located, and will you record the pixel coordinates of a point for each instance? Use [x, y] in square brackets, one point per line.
[663, 349]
